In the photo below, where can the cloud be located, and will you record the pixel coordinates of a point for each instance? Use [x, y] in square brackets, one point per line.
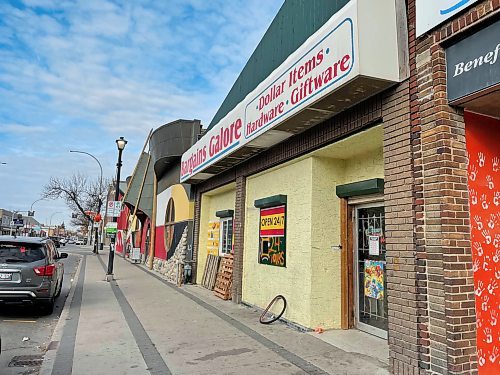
[77, 74]
[22, 129]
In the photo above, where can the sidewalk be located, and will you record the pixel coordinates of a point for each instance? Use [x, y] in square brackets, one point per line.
[141, 324]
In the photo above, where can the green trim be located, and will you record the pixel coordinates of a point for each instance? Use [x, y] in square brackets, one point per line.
[224, 213]
[296, 21]
[373, 186]
[275, 200]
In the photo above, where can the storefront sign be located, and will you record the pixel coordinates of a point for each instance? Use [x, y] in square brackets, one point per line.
[272, 249]
[473, 63]
[431, 13]
[374, 279]
[213, 237]
[366, 56]
[324, 62]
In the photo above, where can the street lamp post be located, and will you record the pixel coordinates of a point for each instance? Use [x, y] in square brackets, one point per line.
[120, 143]
[99, 202]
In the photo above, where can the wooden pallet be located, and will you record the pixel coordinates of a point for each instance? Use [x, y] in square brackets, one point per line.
[210, 272]
[222, 288]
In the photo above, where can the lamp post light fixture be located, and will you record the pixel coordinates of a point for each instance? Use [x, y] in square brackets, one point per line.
[99, 202]
[120, 143]
[31, 212]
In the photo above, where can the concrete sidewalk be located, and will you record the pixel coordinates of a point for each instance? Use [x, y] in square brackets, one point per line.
[141, 324]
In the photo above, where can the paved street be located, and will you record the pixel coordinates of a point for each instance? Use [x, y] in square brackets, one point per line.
[140, 324]
[18, 322]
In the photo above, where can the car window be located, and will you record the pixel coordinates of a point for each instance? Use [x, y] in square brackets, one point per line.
[21, 253]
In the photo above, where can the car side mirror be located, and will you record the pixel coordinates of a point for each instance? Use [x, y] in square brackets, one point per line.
[63, 255]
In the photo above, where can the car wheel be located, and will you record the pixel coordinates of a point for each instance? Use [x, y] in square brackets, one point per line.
[48, 307]
[58, 293]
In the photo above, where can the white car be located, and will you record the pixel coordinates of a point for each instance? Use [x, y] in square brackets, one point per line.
[79, 242]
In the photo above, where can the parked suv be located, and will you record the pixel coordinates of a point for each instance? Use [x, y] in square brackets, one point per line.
[30, 271]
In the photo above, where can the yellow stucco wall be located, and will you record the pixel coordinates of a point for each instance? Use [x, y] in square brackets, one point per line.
[325, 227]
[211, 202]
[311, 280]
[261, 283]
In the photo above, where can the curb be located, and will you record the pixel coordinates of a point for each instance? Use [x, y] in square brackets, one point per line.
[50, 355]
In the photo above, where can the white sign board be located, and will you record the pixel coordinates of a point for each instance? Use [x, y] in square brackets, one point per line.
[136, 253]
[114, 208]
[431, 13]
[359, 40]
[374, 245]
[323, 63]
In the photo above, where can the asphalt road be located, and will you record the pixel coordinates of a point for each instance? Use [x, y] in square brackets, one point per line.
[20, 322]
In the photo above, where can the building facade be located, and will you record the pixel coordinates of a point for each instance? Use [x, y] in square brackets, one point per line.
[354, 170]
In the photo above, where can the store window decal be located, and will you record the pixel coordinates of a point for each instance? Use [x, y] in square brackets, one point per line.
[272, 238]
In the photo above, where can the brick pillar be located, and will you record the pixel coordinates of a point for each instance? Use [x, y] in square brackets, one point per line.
[446, 288]
[239, 233]
[196, 234]
[402, 291]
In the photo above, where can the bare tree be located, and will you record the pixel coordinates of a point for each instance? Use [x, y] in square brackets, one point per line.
[81, 195]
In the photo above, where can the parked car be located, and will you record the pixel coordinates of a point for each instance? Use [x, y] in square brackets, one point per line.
[79, 241]
[30, 271]
[63, 241]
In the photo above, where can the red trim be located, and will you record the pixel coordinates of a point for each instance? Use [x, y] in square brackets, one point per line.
[272, 233]
[272, 211]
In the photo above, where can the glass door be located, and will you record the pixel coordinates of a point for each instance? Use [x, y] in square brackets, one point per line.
[370, 270]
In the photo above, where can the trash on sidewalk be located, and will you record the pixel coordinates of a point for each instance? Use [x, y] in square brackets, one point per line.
[273, 317]
[25, 339]
[319, 330]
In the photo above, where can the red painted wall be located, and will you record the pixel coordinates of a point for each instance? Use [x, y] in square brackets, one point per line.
[160, 251]
[483, 146]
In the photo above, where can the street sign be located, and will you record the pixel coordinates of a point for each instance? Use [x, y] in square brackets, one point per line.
[17, 223]
[111, 227]
[114, 208]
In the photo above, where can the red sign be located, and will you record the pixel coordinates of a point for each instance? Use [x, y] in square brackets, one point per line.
[272, 222]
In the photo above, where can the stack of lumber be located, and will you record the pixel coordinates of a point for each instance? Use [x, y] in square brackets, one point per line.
[224, 280]
[210, 272]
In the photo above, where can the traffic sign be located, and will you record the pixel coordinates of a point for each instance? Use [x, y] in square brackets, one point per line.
[114, 208]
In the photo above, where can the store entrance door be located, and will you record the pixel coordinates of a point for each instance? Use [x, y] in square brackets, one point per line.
[370, 298]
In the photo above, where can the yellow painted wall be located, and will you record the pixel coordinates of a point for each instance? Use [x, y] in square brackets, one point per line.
[325, 226]
[211, 202]
[311, 280]
[261, 283]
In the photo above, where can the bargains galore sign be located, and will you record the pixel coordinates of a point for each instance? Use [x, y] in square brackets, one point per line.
[327, 60]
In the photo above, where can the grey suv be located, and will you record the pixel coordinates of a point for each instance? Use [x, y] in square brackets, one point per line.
[30, 271]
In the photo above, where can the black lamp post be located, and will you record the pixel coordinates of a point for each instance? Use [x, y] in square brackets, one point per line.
[120, 143]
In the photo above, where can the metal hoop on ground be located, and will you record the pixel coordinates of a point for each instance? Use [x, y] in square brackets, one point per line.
[261, 319]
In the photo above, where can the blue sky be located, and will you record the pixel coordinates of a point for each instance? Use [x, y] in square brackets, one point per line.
[77, 74]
